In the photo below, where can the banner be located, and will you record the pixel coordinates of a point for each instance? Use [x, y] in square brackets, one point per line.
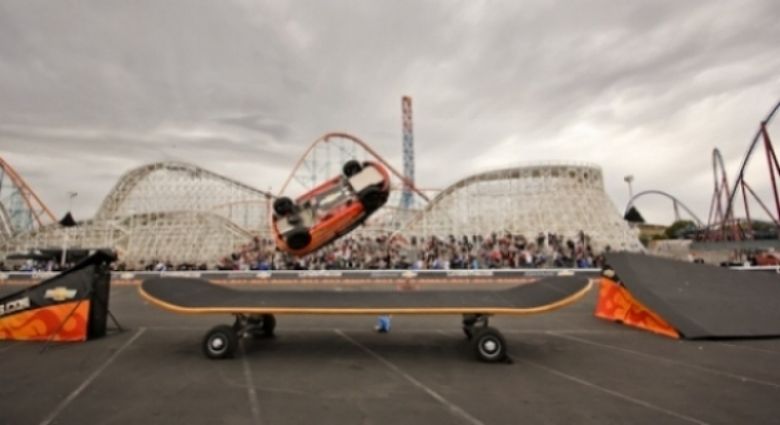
[72, 306]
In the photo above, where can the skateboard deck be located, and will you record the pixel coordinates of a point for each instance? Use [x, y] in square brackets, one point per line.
[199, 296]
[255, 309]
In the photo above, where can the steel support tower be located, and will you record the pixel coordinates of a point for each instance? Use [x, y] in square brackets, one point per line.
[407, 196]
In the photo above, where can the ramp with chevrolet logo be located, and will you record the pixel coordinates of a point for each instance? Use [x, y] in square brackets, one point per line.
[72, 306]
[691, 301]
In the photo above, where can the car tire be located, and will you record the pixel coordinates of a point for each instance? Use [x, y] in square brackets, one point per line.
[298, 238]
[373, 198]
[283, 206]
[351, 168]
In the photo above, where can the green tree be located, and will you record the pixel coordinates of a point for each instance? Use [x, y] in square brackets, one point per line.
[764, 229]
[677, 229]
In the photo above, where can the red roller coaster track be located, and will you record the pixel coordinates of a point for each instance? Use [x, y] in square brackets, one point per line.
[722, 223]
[39, 212]
[326, 138]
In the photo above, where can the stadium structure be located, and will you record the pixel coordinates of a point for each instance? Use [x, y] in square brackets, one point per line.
[182, 213]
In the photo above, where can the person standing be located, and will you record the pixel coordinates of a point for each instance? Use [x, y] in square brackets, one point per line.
[383, 324]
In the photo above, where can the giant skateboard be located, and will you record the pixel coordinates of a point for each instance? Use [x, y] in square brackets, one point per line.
[255, 309]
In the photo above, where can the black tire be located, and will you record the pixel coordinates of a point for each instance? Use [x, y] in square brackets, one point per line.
[373, 198]
[298, 238]
[489, 345]
[283, 206]
[269, 325]
[261, 326]
[351, 168]
[220, 342]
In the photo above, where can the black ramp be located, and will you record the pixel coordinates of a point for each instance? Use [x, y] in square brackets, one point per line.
[700, 300]
[199, 293]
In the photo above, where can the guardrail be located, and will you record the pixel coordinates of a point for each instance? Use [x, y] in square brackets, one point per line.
[775, 269]
[244, 275]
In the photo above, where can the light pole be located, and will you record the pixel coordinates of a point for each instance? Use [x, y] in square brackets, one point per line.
[71, 195]
[628, 179]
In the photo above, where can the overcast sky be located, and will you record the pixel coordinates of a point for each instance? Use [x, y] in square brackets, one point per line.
[89, 90]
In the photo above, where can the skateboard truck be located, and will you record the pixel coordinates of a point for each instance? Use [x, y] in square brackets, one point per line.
[487, 342]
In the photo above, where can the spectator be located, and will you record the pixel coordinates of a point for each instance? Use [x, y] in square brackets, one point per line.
[496, 250]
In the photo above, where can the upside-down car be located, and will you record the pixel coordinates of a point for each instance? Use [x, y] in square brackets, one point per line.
[331, 209]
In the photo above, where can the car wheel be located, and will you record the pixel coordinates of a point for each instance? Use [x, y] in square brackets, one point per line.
[373, 198]
[351, 168]
[298, 238]
[283, 206]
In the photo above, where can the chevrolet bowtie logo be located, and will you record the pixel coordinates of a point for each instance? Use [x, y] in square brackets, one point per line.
[60, 293]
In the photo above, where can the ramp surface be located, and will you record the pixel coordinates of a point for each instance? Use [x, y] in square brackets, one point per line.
[703, 301]
[189, 295]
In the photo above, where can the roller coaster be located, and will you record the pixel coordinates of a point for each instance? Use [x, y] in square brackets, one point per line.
[21, 210]
[156, 209]
[723, 223]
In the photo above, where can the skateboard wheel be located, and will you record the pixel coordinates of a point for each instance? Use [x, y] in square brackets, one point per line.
[269, 324]
[489, 345]
[262, 326]
[220, 342]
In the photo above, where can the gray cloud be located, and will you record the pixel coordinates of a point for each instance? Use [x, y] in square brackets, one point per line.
[90, 89]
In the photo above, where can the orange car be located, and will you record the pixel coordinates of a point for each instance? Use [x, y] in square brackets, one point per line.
[331, 209]
[767, 258]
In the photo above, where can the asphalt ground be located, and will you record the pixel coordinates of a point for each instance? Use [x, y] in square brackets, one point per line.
[568, 367]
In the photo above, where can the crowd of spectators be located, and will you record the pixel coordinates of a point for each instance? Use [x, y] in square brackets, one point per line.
[388, 252]
[396, 252]
[34, 265]
[382, 252]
